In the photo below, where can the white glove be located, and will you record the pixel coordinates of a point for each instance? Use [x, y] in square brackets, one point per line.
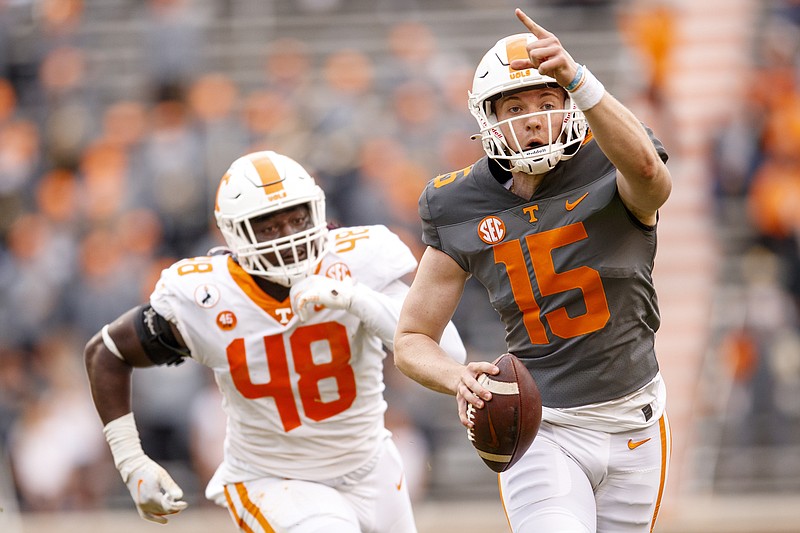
[321, 290]
[153, 491]
[377, 312]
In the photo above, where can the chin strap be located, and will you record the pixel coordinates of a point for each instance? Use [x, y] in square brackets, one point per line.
[539, 167]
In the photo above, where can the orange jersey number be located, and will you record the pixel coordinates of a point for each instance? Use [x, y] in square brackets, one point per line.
[587, 280]
[279, 386]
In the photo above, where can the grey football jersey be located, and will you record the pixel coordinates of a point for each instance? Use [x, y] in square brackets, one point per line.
[569, 271]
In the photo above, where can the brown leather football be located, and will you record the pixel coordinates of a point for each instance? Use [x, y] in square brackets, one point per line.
[507, 424]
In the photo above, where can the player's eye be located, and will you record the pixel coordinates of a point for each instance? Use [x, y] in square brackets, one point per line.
[267, 233]
[265, 229]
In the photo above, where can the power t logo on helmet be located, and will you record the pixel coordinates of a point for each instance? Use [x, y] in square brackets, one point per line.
[494, 77]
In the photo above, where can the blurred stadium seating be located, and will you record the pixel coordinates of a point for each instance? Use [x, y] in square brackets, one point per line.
[117, 118]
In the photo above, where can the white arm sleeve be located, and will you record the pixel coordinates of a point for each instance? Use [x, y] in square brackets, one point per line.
[380, 311]
[452, 344]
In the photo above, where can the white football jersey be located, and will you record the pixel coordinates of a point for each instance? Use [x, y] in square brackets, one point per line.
[303, 400]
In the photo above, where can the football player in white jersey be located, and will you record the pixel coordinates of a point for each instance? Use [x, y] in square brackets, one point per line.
[293, 323]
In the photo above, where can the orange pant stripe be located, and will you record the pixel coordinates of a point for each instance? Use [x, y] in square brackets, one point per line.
[665, 452]
[253, 508]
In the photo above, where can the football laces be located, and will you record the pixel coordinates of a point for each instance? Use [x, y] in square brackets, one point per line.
[483, 379]
[471, 418]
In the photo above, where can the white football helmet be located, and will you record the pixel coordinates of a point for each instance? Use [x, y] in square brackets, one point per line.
[262, 183]
[493, 77]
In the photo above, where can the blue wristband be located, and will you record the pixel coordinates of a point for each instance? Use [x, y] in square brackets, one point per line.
[576, 80]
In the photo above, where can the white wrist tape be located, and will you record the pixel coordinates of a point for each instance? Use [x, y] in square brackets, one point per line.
[588, 92]
[126, 447]
[109, 342]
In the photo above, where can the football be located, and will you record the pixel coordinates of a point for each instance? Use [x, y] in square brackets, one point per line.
[505, 427]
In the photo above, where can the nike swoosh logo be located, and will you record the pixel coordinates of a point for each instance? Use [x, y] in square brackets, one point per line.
[399, 484]
[572, 205]
[632, 444]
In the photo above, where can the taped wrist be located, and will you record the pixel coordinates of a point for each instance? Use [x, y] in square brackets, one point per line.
[588, 91]
[126, 447]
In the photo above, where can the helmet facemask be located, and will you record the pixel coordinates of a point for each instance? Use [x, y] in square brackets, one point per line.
[283, 260]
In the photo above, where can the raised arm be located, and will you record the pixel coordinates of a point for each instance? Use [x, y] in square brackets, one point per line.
[643, 179]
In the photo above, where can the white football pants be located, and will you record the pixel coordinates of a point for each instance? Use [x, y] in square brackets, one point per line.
[577, 480]
[372, 499]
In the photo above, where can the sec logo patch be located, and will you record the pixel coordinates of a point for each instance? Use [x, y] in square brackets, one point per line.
[338, 271]
[491, 230]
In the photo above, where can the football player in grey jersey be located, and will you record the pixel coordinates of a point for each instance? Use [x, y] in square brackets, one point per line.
[558, 223]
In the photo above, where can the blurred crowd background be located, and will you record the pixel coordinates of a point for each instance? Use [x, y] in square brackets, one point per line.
[118, 117]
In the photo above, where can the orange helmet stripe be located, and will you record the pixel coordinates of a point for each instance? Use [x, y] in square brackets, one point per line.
[516, 49]
[271, 180]
[268, 173]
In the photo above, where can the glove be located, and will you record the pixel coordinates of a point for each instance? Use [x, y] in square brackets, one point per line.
[321, 290]
[153, 491]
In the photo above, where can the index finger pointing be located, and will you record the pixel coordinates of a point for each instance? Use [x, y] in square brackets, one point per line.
[534, 28]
